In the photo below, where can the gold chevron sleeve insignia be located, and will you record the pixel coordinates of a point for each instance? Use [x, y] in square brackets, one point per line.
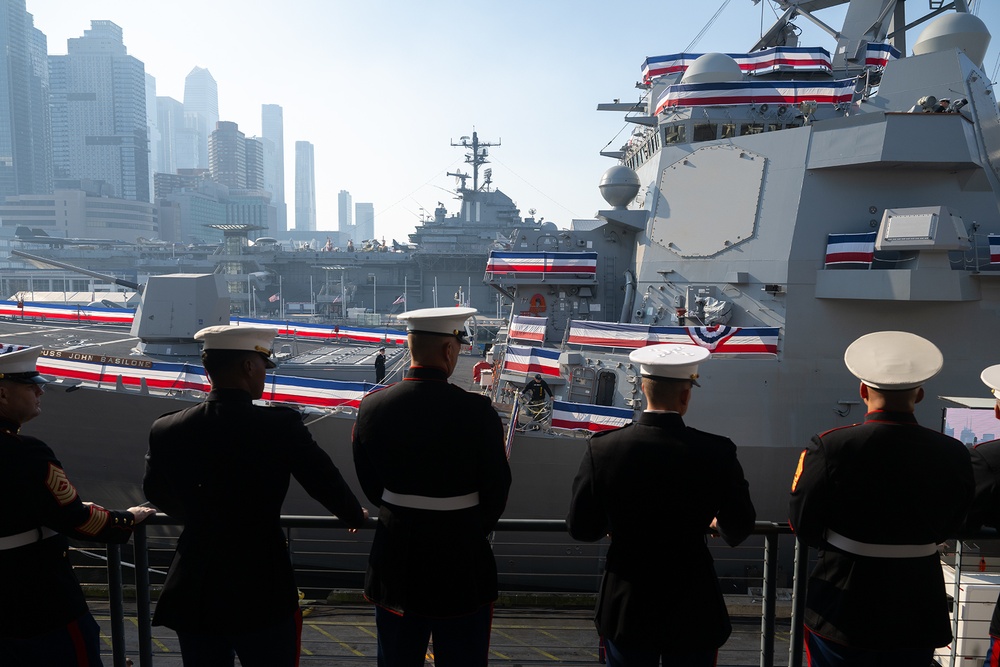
[96, 523]
[61, 489]
[798, 470]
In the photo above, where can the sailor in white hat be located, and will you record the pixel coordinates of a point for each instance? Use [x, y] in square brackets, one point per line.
[657, 485]
[229, 451]
[985, 509]
[239, 339]
[431, 456]
[846, 481]
[44, 617]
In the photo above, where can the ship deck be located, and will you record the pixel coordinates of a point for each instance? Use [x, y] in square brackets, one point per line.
[344, 634]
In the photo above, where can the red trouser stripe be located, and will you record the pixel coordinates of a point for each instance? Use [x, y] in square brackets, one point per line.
[75, 636]
[298, 635]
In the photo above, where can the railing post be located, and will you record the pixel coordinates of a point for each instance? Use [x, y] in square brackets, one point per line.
[140, 544]
[770, 590]
[799, 580]
[117, 606]
[956, 595]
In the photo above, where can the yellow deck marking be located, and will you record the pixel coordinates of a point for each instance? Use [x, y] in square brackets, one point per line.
[315, 626]
[366, 630]
[535, 649]
[160, 645]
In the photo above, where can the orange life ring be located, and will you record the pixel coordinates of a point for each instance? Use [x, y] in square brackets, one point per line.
[536, 304]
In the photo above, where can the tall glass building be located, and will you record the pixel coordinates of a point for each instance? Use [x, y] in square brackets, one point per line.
[25, 135]
[98, 106]
[305, 187]
[273, 129]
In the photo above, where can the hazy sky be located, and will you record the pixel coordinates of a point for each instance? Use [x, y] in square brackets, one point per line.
[382, 87]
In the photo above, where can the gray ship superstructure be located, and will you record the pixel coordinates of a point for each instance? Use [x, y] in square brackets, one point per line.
[776, 205]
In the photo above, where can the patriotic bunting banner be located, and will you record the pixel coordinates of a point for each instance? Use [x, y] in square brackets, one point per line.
[719, 339]
[105, 371]
[779, 58]
[586, 417]
[879, 55]
[755, 92]
[531, 360]
[66, 313]
[850, 248]
[329, 333]
[994, 248]
[542, 262]
[523, 327]
[785, 58]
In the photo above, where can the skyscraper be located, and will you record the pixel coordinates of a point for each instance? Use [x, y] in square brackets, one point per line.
[364, 220]
[25, 138]
[273, 129]
[98, 103]
[344, 212]
[227, 156]
[169, 120]
[152, 130]
[305, 187]
[201, 109]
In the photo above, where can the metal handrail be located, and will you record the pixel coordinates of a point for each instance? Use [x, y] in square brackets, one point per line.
[769, 530]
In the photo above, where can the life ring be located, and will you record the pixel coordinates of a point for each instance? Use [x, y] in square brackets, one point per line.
[536, 304]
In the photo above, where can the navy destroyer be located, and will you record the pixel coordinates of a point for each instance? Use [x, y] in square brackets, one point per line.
[772, 205]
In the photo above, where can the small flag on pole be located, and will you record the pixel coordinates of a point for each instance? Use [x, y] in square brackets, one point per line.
[274, 297]
[401, 299]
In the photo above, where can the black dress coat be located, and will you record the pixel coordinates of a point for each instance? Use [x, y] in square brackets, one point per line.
[655, 486]
[40, 593]
[426, 437]
[223, 467]
[888, 481]
[985, 509]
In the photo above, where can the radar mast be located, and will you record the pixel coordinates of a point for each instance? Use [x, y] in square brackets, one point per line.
[477, 156]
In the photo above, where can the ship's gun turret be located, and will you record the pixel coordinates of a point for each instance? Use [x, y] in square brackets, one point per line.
[171, 309]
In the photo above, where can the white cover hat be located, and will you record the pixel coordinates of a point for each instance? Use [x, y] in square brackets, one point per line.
[893, 360]
[17, 363]
[670, 361]
[438, 321]
[991, 378]
[245, 338]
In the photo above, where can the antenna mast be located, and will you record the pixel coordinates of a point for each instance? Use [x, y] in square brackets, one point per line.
[476, 157]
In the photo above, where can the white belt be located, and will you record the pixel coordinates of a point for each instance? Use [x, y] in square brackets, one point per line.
[25, 538]
[879, 550]
[430, 503]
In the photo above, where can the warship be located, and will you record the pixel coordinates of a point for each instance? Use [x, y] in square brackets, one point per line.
[771, 205]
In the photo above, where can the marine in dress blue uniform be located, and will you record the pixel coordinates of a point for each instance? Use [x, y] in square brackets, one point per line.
[431, 456]
[876, 498]
[43, 615]
[986, 506]
[656, 486]
[229, 452]
[380, 366]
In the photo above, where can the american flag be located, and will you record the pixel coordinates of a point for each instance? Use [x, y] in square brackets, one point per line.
[401, 299]
[274, 297]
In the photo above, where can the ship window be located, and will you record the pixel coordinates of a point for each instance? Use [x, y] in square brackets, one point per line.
[605, 388]
[728, 131]
[705, 131]
[748, 128]
[773, 127]
[675, 134]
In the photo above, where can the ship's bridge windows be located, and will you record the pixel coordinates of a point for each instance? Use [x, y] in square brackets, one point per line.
[728, 130]
[675, 134]
[705, 132]
[751, 128]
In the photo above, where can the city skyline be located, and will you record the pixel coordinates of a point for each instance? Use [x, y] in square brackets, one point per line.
[383, 101]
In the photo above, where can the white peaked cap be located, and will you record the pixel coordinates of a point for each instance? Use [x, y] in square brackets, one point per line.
[670, 361]
[439, 321]
[991, 377]
[17, 362]
[244, 338]
[893, 360]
